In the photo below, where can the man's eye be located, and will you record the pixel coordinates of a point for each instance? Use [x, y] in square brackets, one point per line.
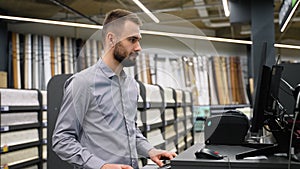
[132, 40]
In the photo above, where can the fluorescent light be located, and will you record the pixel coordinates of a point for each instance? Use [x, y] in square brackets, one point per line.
[73, 24]
[277, 45]
[146, 10]
[189, 36]
[216, 39]
[289, 17]
[178, 35]
[226, 8]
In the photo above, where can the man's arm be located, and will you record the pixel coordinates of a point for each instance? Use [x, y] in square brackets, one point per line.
[69, 126]
[147, 150]
[142, 144]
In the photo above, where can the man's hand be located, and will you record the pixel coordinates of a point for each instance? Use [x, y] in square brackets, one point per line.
[116, 166]
[156, 155]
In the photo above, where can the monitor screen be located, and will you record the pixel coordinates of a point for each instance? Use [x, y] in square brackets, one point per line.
[260, 98]
[266, 96]
[272, 104]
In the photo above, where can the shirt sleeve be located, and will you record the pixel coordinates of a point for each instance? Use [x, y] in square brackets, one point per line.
[69, 126]
[143, 146]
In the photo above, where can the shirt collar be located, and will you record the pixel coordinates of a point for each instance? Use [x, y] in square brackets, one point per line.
[123, 74]
[107, 70]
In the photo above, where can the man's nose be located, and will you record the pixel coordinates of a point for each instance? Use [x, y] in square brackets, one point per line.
[138, 47]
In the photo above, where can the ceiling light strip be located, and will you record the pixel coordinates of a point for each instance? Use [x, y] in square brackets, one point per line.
[178, 35]
[72, 24]
[146, 10]
[216, 39]
[226, 7]
[277, 45]
[289, 17]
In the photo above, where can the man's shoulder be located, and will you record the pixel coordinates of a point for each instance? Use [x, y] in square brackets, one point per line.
[83, 77]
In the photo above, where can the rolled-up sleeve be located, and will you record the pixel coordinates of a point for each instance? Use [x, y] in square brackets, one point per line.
[68, 127]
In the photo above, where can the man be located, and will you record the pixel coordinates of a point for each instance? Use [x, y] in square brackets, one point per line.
[96, 126]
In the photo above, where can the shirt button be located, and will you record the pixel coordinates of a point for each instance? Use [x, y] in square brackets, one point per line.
[133, 162]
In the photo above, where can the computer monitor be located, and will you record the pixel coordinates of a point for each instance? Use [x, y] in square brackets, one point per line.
[266, 97]
[260, 98]
[266, 112]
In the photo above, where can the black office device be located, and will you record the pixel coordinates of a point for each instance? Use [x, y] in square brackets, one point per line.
[289, 88]
[228, 128]
[266, 111]
[266, 96]
[261, 90]
[205, 153]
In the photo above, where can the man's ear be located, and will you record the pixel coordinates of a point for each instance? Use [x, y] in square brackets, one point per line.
[110, 38]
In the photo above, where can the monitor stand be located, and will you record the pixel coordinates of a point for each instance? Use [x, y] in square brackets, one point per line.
[267, 150]
[281, 135]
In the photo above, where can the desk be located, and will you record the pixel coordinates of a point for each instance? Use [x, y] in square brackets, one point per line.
[187, 160]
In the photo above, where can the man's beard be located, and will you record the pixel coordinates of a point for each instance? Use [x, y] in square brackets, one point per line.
[123, 57]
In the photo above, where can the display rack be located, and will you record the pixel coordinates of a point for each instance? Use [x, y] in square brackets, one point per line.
[150, 113]
[180, 120]
[169, 121]
[21, 128]
[177, 118]
[188, 113]
[44, 125]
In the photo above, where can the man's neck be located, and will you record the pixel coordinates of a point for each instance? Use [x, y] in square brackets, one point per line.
[112, 63]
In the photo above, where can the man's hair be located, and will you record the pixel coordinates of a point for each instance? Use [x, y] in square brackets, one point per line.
[115, 20]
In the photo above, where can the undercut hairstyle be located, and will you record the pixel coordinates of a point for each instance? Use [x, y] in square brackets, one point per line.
[115, 20]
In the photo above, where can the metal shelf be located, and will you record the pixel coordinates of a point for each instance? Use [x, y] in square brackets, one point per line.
[10, 127]
[19, 127]
[7, 149]
[15, 109]
[23, 164]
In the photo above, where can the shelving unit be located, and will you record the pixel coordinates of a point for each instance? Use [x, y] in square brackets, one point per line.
[44, 125]
[21, 128]
[166, 117]
[180, 120]
[150, 104]
[177, 119]
[150, 113]
[188, 113]
[169, 130]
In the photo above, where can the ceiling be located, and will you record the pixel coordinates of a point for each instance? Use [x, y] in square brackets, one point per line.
[204, 14]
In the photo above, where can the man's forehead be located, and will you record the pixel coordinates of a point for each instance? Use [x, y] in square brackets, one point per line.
[131, 29]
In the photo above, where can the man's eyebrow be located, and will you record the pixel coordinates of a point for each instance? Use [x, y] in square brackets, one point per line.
[135, 37]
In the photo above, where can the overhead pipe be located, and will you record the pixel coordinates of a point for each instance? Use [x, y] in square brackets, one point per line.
[73, 11]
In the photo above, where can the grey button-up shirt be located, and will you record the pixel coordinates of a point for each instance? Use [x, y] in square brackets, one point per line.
[96, 123]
